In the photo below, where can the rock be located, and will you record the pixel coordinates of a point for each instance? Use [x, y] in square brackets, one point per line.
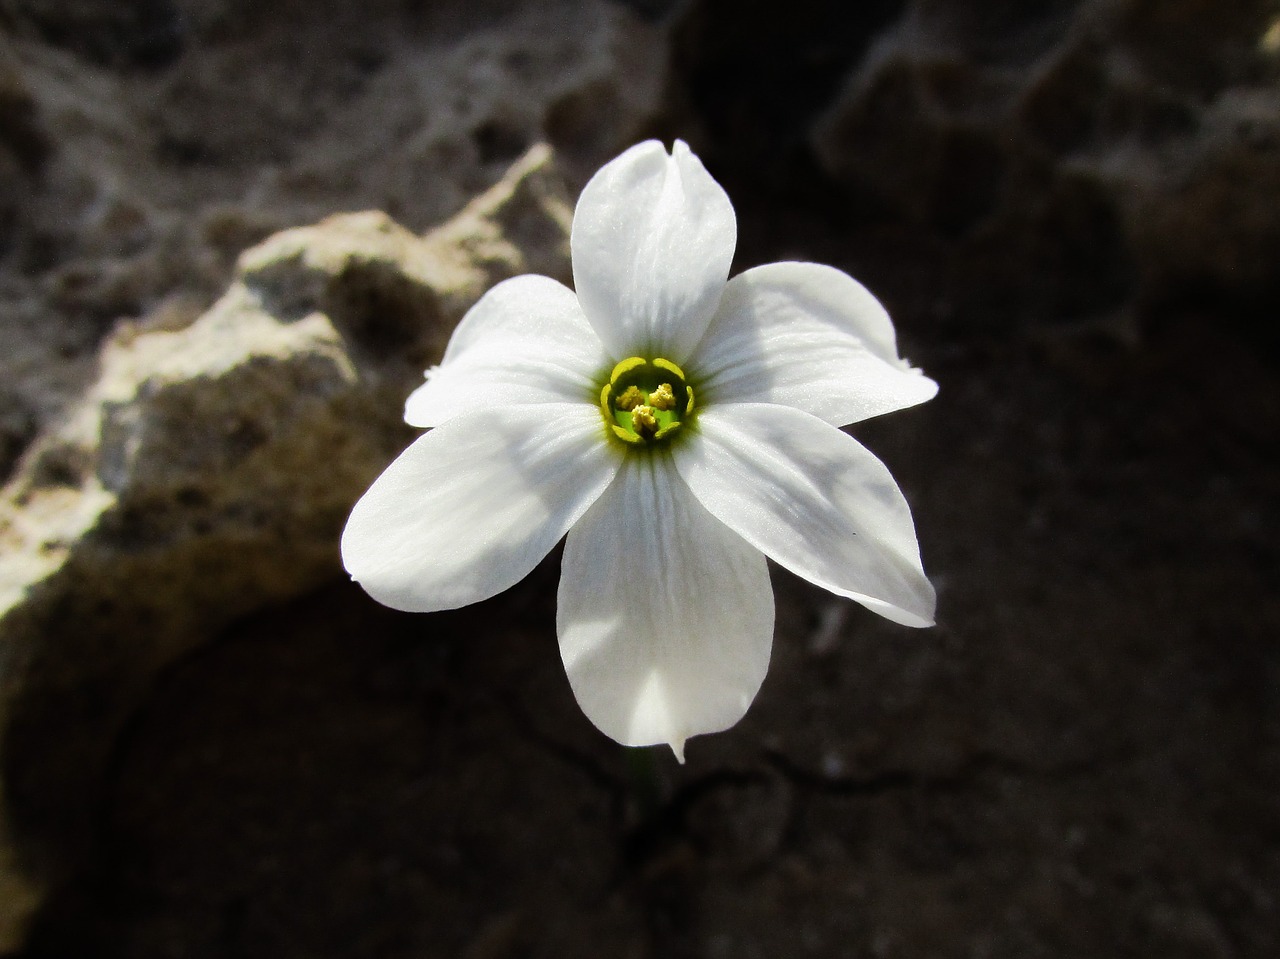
[208, 472]
[1204, 226]
[134, 33]
[1070, 162]
[144, 145]
[160, 454]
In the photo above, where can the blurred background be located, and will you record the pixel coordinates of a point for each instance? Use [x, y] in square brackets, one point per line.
[232, 235]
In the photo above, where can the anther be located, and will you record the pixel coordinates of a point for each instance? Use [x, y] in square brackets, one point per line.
[662, 398]
[645, 401]
[631, 398]
[643, 421]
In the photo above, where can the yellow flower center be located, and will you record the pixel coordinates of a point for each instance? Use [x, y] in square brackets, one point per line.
[646, 401]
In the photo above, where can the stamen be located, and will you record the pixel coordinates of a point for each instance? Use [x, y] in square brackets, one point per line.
[643, 421]
[662, 398]
[670, 367]
[627, 436]
[626, 366]
[631, 398]
[646, 401]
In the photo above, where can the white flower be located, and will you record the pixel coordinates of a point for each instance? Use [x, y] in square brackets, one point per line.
[679, 428]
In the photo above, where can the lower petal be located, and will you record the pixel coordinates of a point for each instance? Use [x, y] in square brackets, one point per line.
[471, 507]
[665, 615]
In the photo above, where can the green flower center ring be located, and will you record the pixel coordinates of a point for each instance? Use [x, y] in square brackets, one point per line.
[646, 402]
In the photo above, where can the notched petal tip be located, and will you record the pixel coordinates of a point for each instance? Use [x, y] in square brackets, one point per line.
[652, 240]
[665, 616]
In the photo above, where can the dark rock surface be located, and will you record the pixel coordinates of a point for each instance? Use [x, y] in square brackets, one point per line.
[1050, 162]
[1072, 211]
[208, 471]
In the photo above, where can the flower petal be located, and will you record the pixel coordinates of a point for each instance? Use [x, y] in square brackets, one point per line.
[652, 239]
[472, 506]
[665, 615]
[812, 499]
[525, 341]
[808, 336]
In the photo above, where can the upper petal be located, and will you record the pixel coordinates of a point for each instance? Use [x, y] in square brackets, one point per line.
[814, 500]
[472, 506]
[665, 615]
[525, 341]
[808, 336]
[652, 239]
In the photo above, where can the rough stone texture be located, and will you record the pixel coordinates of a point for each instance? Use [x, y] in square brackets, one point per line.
[1114, 152]
[144, 144]
[209, 469]
[1070, 210]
